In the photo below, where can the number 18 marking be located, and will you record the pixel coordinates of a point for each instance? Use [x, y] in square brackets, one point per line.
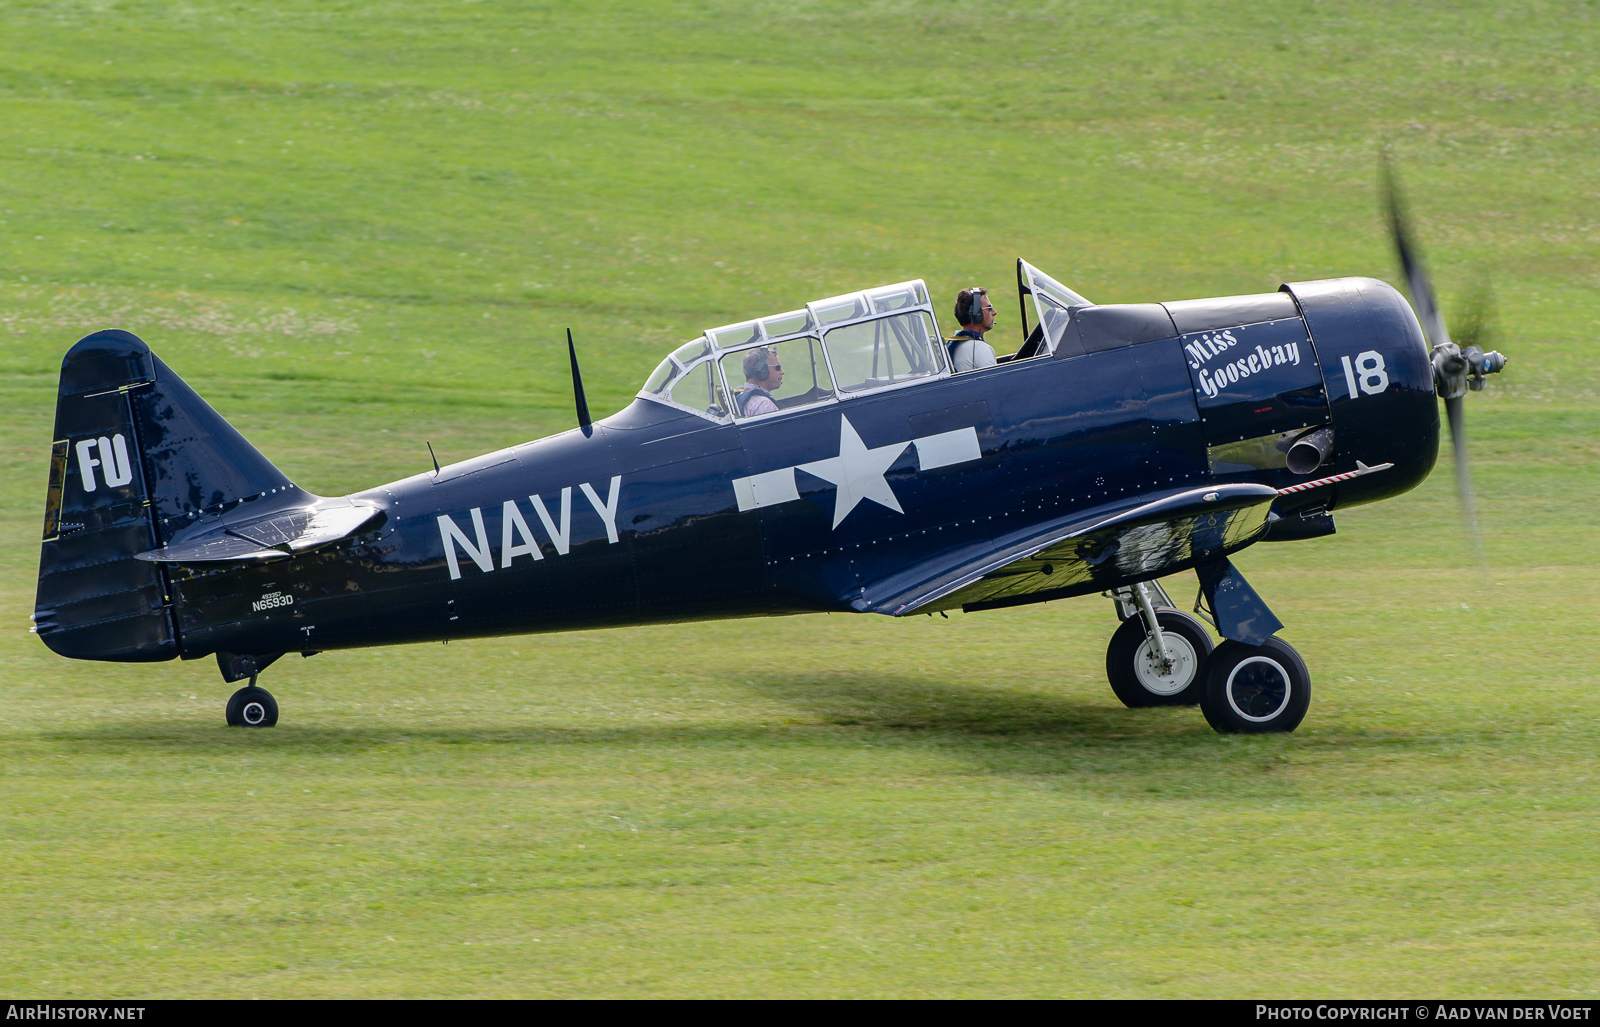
[1369, 370]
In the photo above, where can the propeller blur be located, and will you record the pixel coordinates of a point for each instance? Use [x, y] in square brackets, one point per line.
[1457, 369]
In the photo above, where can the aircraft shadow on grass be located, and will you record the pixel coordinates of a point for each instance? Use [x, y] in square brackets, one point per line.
[1028, 733]
[943, 708]
[1001, 730]
[904, 706]
[1163, 752]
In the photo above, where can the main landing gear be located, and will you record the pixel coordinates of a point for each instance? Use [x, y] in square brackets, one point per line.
[1162, 656]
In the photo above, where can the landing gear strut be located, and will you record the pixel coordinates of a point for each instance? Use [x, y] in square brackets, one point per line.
[1253, 682]
[251, 706]
[1157, 656]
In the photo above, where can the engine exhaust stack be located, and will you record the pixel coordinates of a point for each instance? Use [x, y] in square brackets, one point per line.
[1310, 451]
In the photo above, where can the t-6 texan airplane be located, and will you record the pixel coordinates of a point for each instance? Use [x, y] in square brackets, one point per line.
[1120, 444]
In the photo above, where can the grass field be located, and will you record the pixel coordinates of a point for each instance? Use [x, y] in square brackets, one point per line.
[356, 227]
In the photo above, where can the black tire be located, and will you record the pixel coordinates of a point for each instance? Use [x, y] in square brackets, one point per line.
[1129, 661]
[1256, 689]
[252, 707]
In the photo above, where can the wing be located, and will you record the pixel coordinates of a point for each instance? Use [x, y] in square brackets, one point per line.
[1157, 535]
[271, 536]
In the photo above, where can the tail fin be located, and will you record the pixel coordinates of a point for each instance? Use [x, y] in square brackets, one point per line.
[137, 456]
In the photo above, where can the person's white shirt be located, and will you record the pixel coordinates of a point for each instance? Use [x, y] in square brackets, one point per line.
[970, 354]
[758, 404]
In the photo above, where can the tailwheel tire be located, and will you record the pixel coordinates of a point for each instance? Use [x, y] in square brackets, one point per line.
[252, 707]
[1255, 689]
[1133, 664]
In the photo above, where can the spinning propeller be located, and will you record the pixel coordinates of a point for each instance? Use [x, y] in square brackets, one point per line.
[1459, 365]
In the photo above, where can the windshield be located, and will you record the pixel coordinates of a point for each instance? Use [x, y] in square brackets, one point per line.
[1052, 302]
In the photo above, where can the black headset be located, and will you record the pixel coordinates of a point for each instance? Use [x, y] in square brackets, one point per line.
[975, 308]
[766, 369]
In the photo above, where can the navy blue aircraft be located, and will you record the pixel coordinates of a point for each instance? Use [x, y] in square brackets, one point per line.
[825, 459]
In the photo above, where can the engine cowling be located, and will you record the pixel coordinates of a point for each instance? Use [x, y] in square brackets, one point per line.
[1379, 383]
[1308, 382]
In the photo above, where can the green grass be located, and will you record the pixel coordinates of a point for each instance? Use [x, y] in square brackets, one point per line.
[356, 227]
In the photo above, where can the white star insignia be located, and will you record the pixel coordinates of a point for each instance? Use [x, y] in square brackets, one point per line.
[858, 472]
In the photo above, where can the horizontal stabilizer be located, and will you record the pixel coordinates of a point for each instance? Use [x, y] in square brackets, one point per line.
[272, 536]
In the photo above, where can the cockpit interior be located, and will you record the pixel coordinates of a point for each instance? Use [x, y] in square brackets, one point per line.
[838, 348]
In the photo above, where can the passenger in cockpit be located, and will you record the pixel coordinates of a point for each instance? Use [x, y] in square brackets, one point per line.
[968, 351]
[763, 375]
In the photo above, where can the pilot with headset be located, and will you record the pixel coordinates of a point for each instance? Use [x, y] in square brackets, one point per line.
[763, 375]
[968, 351]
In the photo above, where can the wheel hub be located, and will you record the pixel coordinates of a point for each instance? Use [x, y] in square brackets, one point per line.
[253, 713]
[1258, 689]
[1163, 677]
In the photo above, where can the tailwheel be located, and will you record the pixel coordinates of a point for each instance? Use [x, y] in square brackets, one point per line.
[1139, 673]
[251, 706]
[1254, 689]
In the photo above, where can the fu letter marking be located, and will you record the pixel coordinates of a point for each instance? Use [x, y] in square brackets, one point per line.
[516, 537]
[112, 461]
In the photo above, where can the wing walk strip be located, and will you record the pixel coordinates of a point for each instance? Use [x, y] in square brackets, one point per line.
[945, 449]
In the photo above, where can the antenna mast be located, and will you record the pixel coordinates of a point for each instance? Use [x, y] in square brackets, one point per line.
[577, 387]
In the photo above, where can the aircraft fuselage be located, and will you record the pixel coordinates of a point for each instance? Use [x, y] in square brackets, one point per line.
[657, 515]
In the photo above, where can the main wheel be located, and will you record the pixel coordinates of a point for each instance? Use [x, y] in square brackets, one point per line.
[1253, 689]
[1133, 664]
[252, 707]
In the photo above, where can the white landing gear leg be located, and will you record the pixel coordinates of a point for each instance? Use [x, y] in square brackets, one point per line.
[1157, 656]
